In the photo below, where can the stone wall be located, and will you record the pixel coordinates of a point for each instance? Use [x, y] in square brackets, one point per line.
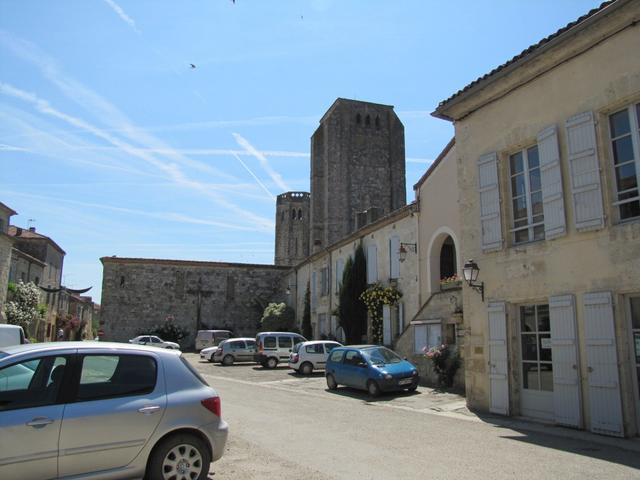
[138, 294]
[357, 162]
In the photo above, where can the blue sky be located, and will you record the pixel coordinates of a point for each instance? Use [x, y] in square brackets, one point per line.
[114, 145]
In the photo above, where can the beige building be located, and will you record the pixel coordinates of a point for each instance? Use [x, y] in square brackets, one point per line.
[548, 148]
[381, 241]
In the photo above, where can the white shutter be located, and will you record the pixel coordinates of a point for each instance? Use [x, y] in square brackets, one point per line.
[551, 180]
[498, 359]
[386, 325]
[339, 272]
[419, 338]
[372, 264]
[602, 365]
[313, 291]
[394, 257]
[564, 353]
[489, 191]
[585, 172]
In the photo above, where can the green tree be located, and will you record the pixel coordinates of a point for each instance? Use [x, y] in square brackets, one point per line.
[278, 317]
[352, 310]
[307, 331]
[23, 309]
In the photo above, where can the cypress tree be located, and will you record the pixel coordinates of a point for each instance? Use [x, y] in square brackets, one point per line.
[353, 312]
[307, 332]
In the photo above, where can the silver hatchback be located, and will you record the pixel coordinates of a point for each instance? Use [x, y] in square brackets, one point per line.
[105, 411]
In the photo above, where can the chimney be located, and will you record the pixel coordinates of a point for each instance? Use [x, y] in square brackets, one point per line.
[32, 229]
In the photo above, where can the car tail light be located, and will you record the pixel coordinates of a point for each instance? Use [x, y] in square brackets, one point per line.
[260, 347]
[213, 405]
[294, 358]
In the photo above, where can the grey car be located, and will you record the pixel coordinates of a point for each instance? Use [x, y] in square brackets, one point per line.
[105, 411]
[235, 350]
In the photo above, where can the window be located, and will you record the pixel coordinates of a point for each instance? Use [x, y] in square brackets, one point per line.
[269, 342]
[624, 127]
[155, 340]
[426, 336]
[377, 122]
[317, 348]
[635, 326]
[353, 358]
[330, 346]
[32, 383]
[336, 356]
[358, 119]
[285, 342]
[535, 333]
[293, 214]
[299, 214]
[324, 281]
[372, 264]
[367, 120]
[526, 196]
[322, 324]
[251, 344]
[236, 344]
[339, 272]
[108, 376]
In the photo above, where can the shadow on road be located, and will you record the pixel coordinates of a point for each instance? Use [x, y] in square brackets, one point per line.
[365, 397]
[312, 375]
[564, 439]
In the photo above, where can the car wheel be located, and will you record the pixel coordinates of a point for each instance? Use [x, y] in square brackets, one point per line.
[179, 456]
[331, 382]
[227, 360]
[271, 362]
[412, 388]
[373, 388]
[306, 368]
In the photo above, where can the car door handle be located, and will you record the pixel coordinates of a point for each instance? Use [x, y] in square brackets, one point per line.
[148, 410]
[40, 422]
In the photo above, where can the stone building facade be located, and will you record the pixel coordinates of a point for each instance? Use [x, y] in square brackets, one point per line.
[139, 294]
[357, 164]
[548, 148]
[292, 228]
[6, 244]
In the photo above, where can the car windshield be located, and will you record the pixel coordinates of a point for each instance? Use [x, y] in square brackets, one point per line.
[381, 356]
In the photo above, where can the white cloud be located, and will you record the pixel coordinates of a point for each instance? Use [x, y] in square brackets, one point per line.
[121, 13]
[275, 176]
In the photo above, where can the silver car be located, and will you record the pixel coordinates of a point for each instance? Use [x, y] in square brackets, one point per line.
[105, 411]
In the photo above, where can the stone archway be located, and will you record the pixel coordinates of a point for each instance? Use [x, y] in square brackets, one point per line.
[443, 257]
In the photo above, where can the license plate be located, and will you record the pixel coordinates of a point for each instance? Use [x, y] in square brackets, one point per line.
[405, 381]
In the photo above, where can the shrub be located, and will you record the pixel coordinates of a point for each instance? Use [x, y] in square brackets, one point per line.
[278, 317]
[446, 361]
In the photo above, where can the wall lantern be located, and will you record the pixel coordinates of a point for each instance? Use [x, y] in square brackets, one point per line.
[404, 247]
[288, 290]
[470, 273]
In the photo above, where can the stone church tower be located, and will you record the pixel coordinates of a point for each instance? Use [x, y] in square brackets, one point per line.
[357, 165]
[292, 228]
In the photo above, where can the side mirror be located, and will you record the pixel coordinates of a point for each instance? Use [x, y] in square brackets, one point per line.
[405, 358]
[362, 363]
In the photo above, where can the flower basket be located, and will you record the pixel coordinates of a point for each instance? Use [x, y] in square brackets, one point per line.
[449, 283]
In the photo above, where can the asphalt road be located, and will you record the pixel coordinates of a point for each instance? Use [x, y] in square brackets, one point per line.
[286, 426]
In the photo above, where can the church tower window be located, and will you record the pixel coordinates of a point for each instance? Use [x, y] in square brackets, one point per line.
[358, 119]
[367, 120]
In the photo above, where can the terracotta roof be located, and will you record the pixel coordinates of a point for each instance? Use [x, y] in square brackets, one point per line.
[10, 210]
[187, 263]
[528, 51]
[435, 163]
[29, 235]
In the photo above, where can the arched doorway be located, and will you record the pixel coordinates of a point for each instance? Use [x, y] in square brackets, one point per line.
[448, 267]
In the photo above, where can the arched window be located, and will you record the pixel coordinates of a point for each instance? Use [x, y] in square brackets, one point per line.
[282, 216]
[377, 122]
[448, 259]
[367, 121]
[299, 214]
[358, 119]
[293, 214]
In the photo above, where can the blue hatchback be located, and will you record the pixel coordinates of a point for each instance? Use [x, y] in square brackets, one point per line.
[370, 367]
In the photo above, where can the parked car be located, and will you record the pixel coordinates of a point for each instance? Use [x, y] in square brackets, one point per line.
[309, 356]
[274, 347]
[105, 410]
[11, 335]
[154, 341]
[370, 367]
[211, 338]
[235, 350]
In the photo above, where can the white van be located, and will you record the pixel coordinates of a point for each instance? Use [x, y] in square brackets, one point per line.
[11, 335]
[210, 338]
[274, 347]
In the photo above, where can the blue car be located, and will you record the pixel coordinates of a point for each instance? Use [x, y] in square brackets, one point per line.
[370, 367]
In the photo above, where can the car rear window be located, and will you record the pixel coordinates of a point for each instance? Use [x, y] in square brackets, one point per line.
[316, 348]
[336, 356]
[193, 371]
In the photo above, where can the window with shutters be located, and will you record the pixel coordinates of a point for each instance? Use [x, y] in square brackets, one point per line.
[324, 281]
[526, 196]
[426, 336]
[624, 127]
